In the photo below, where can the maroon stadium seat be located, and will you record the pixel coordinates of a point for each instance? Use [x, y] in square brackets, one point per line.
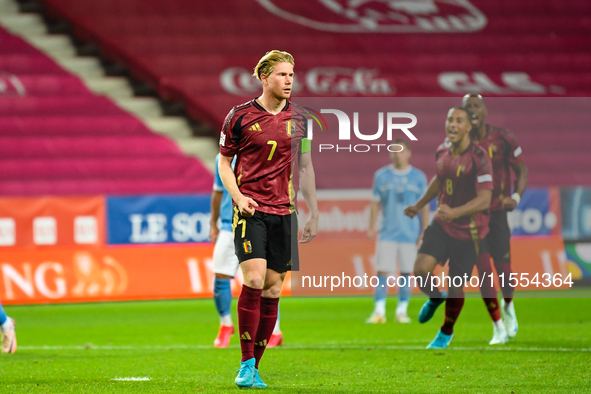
[57, 137]
[185, 49]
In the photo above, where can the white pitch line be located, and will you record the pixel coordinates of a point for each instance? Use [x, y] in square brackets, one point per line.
[311, 347]
[460, 348]
[119, 347]
[132, 379]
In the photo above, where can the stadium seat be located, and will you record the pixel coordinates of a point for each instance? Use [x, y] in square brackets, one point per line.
[182, 49]
[58, 138]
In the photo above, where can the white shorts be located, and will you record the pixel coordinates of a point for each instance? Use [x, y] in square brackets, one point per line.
[225, 261]
[389, 253]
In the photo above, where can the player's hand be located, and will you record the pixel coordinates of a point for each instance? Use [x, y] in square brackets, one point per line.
[446, 213]
[310, 230]
[371, 234]
[247, 206]
[411, 211]
[509, 204]
[214, 232]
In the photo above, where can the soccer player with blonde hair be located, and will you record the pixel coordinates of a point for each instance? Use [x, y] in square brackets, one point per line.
[267, 136]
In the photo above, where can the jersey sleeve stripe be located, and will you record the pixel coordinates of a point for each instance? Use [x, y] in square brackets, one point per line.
[237, 129]
[485, 178]
[517, 151]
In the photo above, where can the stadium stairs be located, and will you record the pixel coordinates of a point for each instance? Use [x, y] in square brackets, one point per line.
[66, 137]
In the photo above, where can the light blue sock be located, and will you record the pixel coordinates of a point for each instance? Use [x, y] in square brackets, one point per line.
[404, 291]
[381, 292]
[3, 316]
[222, 295]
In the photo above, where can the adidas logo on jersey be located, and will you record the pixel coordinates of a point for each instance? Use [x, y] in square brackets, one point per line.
[255, 127]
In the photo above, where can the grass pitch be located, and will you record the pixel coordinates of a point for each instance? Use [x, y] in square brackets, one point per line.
[83, 348]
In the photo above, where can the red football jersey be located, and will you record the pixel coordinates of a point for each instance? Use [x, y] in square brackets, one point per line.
[266, 147]
[503, 150]
[461, 178]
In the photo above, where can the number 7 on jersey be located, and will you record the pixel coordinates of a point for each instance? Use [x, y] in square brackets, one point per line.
[273, 147]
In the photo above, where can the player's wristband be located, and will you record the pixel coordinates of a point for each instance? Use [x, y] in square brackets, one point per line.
[516, 197]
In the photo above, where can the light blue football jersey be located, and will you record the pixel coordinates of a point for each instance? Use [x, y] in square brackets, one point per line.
[226, 205]
[395, 190]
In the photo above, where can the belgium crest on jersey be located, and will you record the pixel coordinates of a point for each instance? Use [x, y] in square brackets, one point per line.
[492, 151]
[247, 246]
[461, 169]
[290, 127]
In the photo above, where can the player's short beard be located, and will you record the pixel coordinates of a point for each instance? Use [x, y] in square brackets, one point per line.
[280, 95]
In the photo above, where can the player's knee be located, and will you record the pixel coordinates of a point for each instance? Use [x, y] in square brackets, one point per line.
[254, 281]
[421, 270]
[272, 292]
[272, 287]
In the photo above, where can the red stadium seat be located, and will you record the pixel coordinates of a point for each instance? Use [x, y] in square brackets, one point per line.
[57, 137]
[188, 50]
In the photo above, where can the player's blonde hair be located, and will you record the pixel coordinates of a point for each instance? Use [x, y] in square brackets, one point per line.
[268, 62]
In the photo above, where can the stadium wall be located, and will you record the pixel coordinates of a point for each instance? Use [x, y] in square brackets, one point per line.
[111, 248]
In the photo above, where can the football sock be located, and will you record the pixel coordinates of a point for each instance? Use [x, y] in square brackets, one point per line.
[226, 320]
[269, 308]
[3, 317]
[425, 286]
[509, 306]
[504, 267]
[402, 307]
[487, 287]
[381, 293]
[499, 325]
[404, 291]
[277, 329]
[249, 308]
[380, 307]
[453, 307]
[382, 288]
[7, 325]
[492, 306]
[222, 295]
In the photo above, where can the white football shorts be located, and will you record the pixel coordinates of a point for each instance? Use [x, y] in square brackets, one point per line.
[225, 261]
[390, 254]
